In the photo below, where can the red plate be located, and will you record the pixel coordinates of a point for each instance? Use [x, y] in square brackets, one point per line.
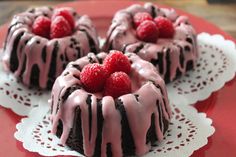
[220, 106]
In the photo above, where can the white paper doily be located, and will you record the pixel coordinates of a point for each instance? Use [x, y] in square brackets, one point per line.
[216, 65]
[188, 131]
[16, 96]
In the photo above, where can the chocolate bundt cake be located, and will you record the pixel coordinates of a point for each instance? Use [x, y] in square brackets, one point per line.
[36, 60]
[97, 125]
[171, 56]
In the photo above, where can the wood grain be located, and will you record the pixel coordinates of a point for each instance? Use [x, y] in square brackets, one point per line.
[222, 15]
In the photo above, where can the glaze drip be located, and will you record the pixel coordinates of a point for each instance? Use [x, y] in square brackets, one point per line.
[26, 54]
[127, 125]
[122, 36]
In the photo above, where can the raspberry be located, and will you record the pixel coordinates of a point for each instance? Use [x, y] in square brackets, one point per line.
[41, 26]
[165, 27]
[64, 12]
[93, 77]
[141, 17]
[147, 31]
[60, 28]
[117, 61]
[117, 84]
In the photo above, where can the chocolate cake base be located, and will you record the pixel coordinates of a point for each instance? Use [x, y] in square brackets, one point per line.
[172, 57]
[75, 139]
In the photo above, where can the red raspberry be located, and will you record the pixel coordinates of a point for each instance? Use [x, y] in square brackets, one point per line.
[141, 17]
[41, 26]
[93, 77]
[117, 84]
[147, 31]
[60, 28]
[165, 27]
[64, 12]
[117, 61]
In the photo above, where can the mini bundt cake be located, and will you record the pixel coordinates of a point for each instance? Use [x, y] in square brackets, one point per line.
[41, 41]
[95, 124]
[157, 35]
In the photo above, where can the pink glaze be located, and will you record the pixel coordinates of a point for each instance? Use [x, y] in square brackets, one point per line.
[112, 127]
[122, 36]
[30, 46]
[138, 111]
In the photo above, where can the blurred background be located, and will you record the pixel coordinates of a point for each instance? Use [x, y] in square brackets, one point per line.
[222, 13]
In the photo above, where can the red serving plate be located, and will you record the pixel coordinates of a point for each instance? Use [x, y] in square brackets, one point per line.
[220, 106]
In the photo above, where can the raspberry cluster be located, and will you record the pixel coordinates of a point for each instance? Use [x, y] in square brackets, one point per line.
[61, 24]
[149, 29]
[111, 77]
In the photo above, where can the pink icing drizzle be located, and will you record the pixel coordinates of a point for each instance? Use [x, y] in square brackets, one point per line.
[138, 112]
[31, 46]
[122, 36]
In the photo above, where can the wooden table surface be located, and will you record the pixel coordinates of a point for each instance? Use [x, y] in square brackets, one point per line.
[222, 15]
